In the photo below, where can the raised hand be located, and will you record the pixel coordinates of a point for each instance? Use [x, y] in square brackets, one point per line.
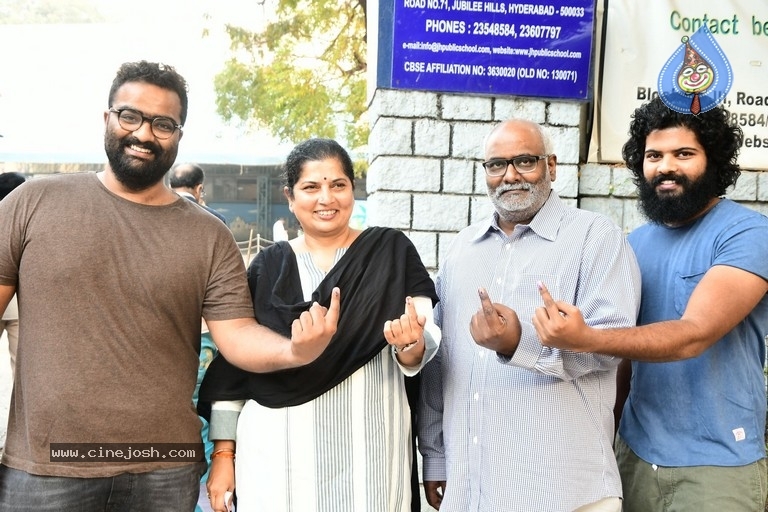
[313, 330]
[495, 326]
[559, 324]
[406, 334]
[221, 480]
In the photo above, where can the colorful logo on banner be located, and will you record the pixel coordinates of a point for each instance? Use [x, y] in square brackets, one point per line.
[697, 76]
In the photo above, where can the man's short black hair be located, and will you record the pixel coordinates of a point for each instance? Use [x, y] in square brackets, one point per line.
[154, 73]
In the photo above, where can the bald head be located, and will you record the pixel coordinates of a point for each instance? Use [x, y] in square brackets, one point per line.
[187, 178]
[520, 128]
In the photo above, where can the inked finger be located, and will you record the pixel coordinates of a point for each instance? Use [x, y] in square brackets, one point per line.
[332, 314]
[410, 308]
[545, 295]
[554, 308]
[485, 303]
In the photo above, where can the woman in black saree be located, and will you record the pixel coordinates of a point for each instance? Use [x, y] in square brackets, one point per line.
[333, 435]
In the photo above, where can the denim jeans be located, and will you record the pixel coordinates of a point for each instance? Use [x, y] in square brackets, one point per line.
[174, 489]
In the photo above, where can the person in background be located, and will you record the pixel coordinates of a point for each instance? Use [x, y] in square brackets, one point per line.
[10, 320]
[279, 233]
[111, 292]
[334, 434]
[691, 435]
[187, 181]
[503, 423]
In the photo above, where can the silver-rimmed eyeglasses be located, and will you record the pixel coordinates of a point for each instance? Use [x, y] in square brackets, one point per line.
[522, 164]
[131, 120]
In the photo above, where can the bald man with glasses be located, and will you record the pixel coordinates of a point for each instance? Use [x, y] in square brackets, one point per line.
[504, 424]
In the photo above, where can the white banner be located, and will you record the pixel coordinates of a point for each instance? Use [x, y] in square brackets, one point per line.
[641, 36]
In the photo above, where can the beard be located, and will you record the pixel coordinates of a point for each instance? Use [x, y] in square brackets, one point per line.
[668, 208]
[135, 174]
[514, 209]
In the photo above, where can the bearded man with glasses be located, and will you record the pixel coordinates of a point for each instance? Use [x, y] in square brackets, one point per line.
[112, 293]
[503, 424]
[692, 429]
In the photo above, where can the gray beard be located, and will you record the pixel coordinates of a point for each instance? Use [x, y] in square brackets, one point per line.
[516, 211]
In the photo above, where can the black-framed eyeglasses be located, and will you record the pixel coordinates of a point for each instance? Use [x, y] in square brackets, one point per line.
[522, 164]
[131, 120]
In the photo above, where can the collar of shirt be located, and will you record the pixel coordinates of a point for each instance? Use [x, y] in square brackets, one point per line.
[546, 222]
[187, 195]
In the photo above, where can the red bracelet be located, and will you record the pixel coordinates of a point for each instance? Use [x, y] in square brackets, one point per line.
[228, 453]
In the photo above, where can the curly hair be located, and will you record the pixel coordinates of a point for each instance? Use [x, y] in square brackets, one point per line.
[718, 135]
[154, 73]
[312, 150]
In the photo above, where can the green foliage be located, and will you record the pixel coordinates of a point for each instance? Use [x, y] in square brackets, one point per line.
[303, 75]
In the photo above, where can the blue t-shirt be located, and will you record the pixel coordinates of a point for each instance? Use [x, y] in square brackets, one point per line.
[708, 410]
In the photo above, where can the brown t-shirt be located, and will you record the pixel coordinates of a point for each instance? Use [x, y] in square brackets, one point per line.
[110, 294]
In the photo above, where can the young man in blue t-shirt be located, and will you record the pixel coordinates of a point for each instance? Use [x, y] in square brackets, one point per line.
[692, 430]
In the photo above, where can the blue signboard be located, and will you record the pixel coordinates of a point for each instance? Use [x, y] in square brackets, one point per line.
[524, 49]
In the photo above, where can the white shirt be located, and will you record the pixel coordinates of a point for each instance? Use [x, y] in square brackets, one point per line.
[533, 432]
[279, 233]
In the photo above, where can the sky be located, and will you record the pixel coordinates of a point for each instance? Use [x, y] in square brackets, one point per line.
[55, 80]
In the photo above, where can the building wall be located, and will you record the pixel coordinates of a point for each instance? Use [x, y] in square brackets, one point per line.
[426, 179]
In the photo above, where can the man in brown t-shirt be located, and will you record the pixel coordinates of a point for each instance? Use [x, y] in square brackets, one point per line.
[113, 272]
